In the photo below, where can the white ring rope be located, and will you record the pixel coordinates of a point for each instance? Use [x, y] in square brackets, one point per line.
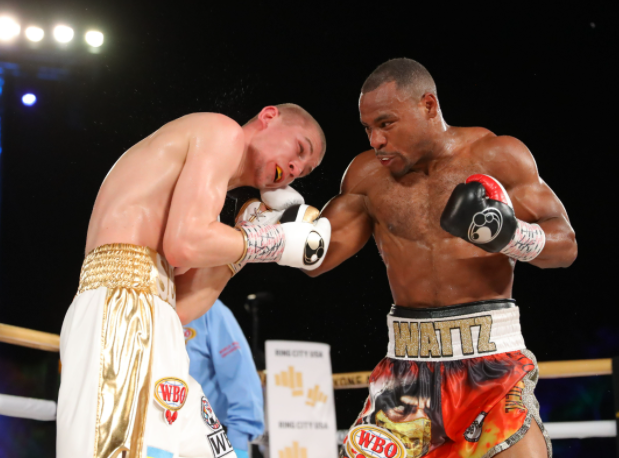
[581, 429]
[37, 409]
[34, 409]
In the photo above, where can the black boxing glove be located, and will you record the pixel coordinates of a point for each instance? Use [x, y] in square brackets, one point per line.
[481, 212]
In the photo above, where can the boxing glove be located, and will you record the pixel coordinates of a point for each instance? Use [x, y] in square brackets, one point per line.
[270, 207]
[480, 212]
[296, 244]
[306, 242]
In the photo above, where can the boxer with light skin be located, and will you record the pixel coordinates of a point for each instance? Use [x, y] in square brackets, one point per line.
[156, 218]
[167, 191]
[409, 193]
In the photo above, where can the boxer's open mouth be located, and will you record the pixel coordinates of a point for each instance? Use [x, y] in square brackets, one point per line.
[385, 160]
[278, 174]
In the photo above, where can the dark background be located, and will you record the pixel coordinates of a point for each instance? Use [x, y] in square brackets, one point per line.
[542, 75]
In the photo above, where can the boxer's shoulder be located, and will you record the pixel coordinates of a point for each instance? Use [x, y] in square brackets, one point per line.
[505, 158]
[208, 124]
[358, 175]
[215, 121]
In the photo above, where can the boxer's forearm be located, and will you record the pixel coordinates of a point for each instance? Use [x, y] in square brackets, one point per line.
[210, 246]
[337, 254]
[560, 249]
[351, 228]
[197, 291]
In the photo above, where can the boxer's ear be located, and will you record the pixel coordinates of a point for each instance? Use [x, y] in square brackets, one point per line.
[267, 115]
[429, 103]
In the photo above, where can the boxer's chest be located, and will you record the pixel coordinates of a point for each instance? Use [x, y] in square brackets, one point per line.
[411, 207]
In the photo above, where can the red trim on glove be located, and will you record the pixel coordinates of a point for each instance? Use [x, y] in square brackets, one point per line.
[494, 189]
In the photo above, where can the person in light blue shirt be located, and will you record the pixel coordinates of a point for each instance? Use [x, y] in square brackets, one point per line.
[221, 361]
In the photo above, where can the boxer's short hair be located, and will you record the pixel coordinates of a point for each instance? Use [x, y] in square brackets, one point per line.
[408, 74]
[293, 114]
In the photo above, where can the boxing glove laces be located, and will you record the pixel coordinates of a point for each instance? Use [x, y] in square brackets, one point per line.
[481, 212]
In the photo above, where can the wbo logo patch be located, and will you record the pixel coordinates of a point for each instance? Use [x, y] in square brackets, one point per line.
[208, 415]
[189, 333]
[171, 394]
[373, 442]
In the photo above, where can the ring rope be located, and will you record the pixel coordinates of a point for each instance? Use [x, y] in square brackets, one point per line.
[347, 380]
[29, 338]
[38, 409]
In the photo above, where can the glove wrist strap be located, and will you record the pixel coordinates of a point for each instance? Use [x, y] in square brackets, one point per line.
[527, 243]
[263, 243]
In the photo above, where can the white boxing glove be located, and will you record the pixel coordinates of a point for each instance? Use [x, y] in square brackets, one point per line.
[299, 241]
[271, 207]
[306, 244]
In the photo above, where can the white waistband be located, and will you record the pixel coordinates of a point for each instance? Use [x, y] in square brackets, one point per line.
[459, 337]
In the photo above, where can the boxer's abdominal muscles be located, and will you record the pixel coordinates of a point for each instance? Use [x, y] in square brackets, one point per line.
[441, 272]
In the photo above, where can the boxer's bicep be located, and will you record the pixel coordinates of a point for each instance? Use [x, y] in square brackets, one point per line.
[535, 202]
[351, 224]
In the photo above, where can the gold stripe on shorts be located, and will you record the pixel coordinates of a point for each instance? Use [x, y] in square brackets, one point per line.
[133, 276]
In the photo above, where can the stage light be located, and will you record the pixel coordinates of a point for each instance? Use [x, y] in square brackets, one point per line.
[29, 99]
[94, 38]
[63, 34]
[9, 28]
[34, 33]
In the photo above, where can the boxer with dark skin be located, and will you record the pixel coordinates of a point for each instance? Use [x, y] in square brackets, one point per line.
[398, 190]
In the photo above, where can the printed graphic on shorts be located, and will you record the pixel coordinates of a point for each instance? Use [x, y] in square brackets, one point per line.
[154, 452]
[402, 407]
[497, 426]
[171, 394]
[188, 333]
[220, 444]
[423, 405]
[514, 399]
[373, 442]
[208, 415]
[473, 432]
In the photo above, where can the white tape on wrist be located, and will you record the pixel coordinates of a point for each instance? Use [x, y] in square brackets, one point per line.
[527, 243]
[265, 243]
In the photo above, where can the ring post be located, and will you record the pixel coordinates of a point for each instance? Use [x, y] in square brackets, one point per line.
[615, 376]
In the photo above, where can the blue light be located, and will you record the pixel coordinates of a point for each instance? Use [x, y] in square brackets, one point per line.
[29, 99]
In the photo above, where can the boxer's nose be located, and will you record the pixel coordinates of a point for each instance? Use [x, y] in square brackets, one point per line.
[295, 169]
[377, 140]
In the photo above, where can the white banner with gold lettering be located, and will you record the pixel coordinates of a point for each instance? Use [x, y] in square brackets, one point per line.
[300, 407]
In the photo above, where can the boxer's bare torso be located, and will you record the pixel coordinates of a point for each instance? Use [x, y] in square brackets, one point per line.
[426, 266]
[134, 200]
[167, 191]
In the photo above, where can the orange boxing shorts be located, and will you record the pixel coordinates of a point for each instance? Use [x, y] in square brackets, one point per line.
[457, 382]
